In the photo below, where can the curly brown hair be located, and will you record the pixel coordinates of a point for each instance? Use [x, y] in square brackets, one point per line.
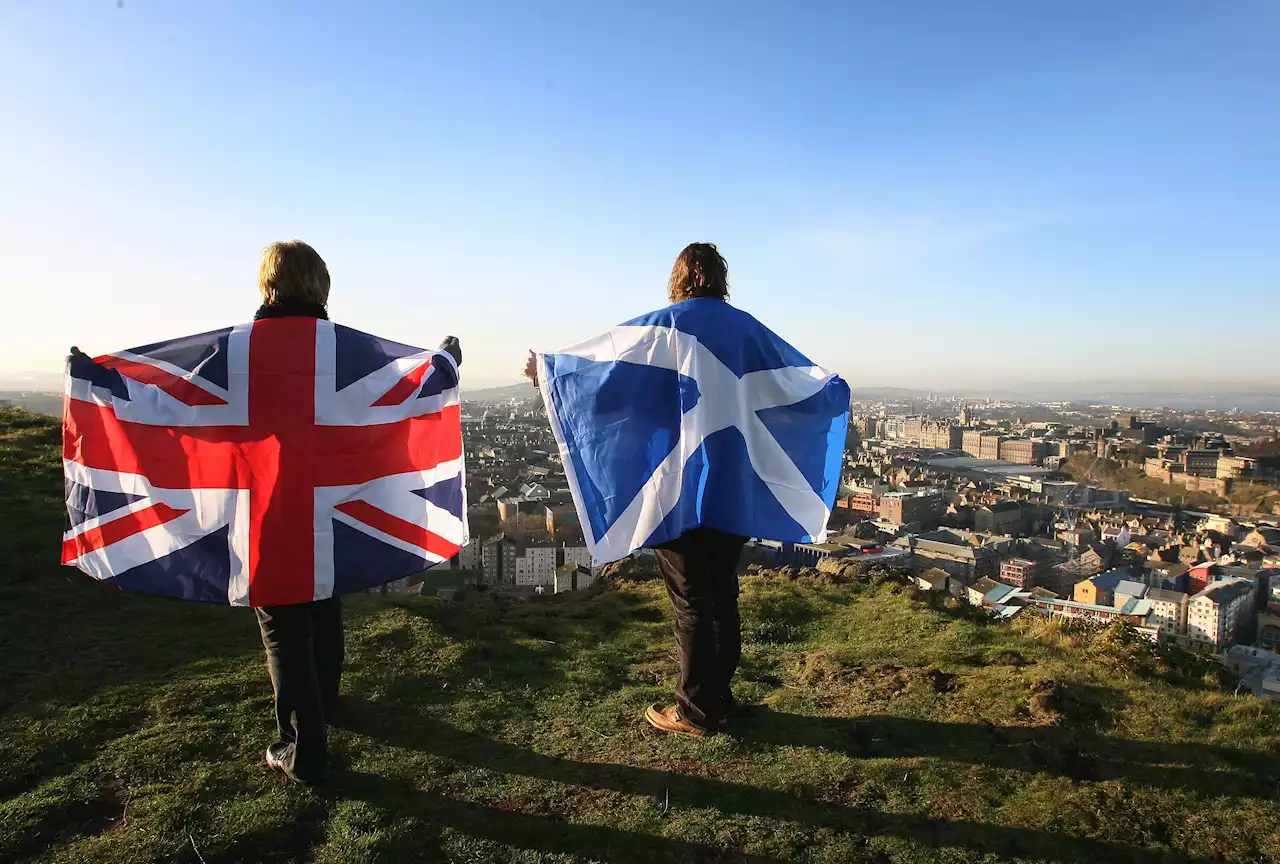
[700, 271]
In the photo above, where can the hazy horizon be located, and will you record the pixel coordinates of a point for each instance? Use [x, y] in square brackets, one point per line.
[1130, 393]
[957, 197]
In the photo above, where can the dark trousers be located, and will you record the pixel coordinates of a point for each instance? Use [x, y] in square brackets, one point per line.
[700, 568]
[305, 649]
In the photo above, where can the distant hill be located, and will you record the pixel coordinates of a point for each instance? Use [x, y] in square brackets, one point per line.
[31, 381]
[524, 390]
[880, 728]
[895, 393]
[1140, 396]
[40, 403]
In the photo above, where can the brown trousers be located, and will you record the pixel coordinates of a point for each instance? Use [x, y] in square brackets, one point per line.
[700, 568]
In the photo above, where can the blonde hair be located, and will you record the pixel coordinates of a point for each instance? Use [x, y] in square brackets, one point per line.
[699, 271]
[293, 271]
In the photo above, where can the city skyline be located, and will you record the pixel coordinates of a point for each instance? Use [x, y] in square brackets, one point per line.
[1225, 396]
[987, 199]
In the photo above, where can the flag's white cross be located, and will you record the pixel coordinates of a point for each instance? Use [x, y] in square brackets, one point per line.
[725, 400]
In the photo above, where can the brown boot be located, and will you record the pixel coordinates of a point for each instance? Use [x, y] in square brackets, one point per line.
[667, 719]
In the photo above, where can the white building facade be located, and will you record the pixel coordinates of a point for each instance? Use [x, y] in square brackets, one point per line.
[581, 556]
[1217, 613]
[1168, 612]
[536, 565]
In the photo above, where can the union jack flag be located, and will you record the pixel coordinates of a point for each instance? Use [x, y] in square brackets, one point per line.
[272, 463]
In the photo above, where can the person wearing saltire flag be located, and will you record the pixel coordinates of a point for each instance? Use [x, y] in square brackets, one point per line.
[278, 464]
[689, 430]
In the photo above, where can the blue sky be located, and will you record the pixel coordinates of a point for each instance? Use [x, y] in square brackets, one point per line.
[940, 194]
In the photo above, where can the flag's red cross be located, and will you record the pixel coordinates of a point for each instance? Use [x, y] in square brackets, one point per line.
[280, 457]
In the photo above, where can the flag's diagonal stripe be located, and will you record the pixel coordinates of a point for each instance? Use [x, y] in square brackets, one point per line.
[411, 508]
[368, 400]
[399, 528]
[395, 495]
[774, 388]
[393, 542]
[110, 516]
[777, 470]
[405, 388]
[177, 371]
[381, 380]
[106, 479]
[113, 532]
[146, 373]
[147, 545]
[657, 498]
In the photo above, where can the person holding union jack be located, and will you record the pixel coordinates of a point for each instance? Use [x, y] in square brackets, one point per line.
[275, 465]
[303, 641]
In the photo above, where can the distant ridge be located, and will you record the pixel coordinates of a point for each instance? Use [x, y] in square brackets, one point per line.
[32, 381]
[524, 390]
[39, 403]
[888, 393]
[499, 394]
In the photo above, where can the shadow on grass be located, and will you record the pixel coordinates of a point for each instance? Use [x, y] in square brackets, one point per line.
[63, 636]
[521, 830]
[85, 817]
[438, 739]
[89, 659]
[518, 649]
[1065, 750]
[295, 840]
[26, 770]
[66, 638]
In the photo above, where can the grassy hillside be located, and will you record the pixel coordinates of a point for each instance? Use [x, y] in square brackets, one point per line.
[132, 730]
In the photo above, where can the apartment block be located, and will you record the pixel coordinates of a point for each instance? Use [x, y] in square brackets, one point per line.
[536, 565]
[1217, 614]
[1168, 611]
[917, 506]
[1019, 572]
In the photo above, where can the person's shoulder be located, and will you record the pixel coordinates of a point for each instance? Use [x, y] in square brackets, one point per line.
[695, 314]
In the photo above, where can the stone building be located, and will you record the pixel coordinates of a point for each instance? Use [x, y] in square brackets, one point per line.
[1024, 451]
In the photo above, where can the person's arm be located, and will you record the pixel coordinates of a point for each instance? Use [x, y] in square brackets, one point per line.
[531, 368]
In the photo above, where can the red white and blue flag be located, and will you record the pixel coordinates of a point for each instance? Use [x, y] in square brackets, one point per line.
[272, 463]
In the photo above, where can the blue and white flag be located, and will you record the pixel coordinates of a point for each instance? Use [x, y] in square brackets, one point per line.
[695, 415]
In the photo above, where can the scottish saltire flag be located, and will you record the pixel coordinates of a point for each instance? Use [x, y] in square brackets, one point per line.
[695, 415]
[272, 463]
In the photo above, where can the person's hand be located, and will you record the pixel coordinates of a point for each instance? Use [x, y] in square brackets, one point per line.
[453, 348]
[81, 365]
[77, 358]
[531, 368]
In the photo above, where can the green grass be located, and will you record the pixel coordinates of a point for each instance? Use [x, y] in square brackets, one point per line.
[132, 729]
